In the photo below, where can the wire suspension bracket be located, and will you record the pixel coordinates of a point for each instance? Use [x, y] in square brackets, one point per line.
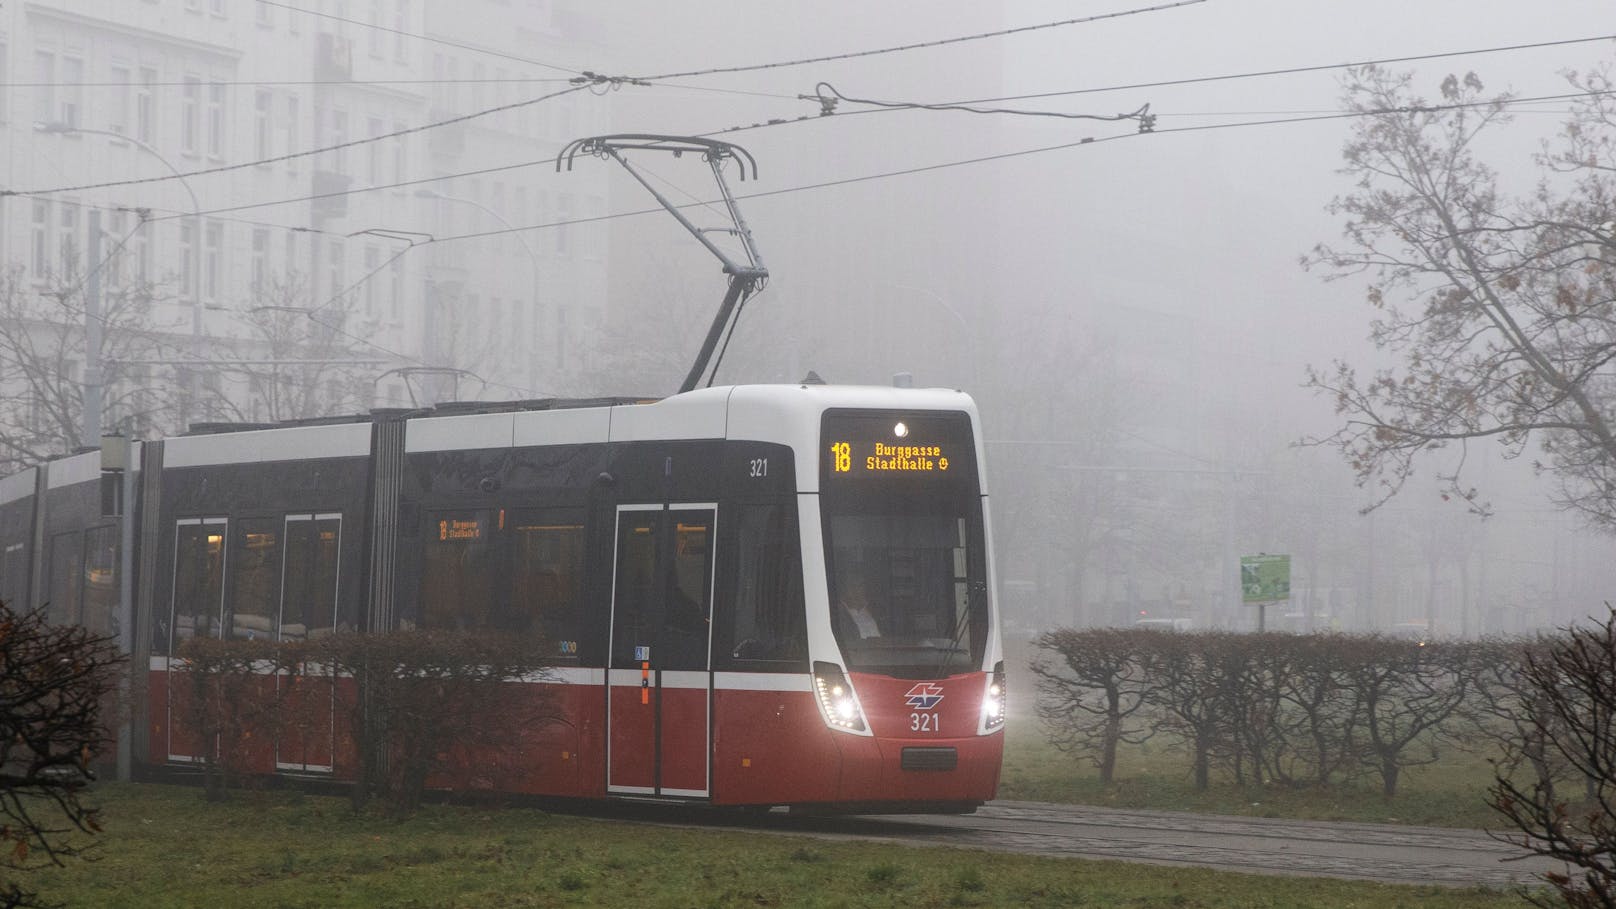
[745, 278]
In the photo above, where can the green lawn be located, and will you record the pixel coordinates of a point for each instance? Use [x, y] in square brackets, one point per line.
[1447, 794]
[165, 847]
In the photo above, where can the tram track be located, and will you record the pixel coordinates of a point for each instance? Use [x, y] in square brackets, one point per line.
[1379, 852]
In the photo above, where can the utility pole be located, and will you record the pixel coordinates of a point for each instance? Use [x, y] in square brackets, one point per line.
[90, 435]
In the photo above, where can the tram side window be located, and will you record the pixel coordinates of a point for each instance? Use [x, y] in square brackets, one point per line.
[547, 563]
[198, 583]
[457, 577]
[14, 575]
[767, 622]
[66, 575]
[309, 602]
[101, 580]
[255, 569]
[634, 585]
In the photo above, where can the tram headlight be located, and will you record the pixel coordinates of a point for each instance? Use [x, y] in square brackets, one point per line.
[993, 700]
[837, 702]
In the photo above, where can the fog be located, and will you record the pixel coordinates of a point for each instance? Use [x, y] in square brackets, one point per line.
[1130, 313]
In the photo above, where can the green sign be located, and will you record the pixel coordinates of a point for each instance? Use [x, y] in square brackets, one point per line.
[1265, 578]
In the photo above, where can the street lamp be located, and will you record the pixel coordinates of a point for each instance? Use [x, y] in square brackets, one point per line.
[59, 128]
[945, 306]
[532, 379]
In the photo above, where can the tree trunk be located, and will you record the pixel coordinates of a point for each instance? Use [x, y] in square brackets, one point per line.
[1108, 750]
[1203, 761]
[1388, 776]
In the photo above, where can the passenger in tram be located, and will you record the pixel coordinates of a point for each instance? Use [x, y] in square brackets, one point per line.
[856, 616]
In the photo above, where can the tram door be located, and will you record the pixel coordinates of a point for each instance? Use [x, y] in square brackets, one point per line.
[658, 704]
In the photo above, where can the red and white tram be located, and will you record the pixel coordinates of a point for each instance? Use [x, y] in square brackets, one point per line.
[755, 595]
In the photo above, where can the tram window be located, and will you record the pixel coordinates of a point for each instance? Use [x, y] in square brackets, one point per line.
[101, 580]
[686, 610]
[198, 580]
[767, 621]
[14, 576]
[457, 574]
[547, 562]
[309, 598]
[634, 585]
[66, 576]
[255, 569]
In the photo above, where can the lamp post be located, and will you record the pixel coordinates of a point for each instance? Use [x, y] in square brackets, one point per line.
[62, 129]
[945, 306]
[533, 257]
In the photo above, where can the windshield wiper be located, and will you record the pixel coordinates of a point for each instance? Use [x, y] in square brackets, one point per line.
[973, 591]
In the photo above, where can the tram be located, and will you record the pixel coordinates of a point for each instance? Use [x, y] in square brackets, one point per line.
[755, 595]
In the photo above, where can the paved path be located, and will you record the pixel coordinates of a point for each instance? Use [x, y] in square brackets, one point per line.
[1382, 852]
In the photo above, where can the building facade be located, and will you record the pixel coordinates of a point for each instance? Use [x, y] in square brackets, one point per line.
[264, 267]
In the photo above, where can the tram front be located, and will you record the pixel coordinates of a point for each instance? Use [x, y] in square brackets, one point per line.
[918, 693]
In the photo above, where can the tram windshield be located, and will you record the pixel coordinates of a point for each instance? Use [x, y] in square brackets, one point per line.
[904, 547]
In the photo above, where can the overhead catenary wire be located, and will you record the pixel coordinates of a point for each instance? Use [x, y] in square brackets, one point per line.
[887, 107]
[225, 168]
[393, 31]
[1000, 156]
[918, 45]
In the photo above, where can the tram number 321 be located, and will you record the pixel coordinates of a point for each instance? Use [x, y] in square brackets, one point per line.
[925, 722]
[758, 467]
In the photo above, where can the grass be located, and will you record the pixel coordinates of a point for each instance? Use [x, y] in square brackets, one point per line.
[1449, 793]
[165, 847]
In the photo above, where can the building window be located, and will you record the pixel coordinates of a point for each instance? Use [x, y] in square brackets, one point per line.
[188, 259]
[118, 103]
[44, 86]
[216, 120]
[561, 337]
[142, 254]
[291, 258]
[266, 15]
[263, 102]
[213, 260]
[398, 157]
[562, 215]
[114, 251]
[395, 297]
[217, 8]
[376, 37]
[401, 24]
[291, 131]
[339, 137]
[373, 154]
[41, 244]
[337, 267]
[373, 261]
[67, 230]
[190, 114]
[479, 77]
[5, 62]
[146, 106]
[260, 259]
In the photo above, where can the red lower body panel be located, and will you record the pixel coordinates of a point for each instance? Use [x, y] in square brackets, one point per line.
[766, 747]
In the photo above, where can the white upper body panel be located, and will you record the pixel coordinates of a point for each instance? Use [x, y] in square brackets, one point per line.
[18, 485]
[292, 443]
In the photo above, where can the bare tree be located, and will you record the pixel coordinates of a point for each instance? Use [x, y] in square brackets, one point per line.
[1407, 690]
[298, 361]
[1570, 713]
[1094, 693]
[43, 355]
[1499, 309]
[55, 685]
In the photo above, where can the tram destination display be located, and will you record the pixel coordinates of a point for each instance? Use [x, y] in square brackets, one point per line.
[895, 447]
